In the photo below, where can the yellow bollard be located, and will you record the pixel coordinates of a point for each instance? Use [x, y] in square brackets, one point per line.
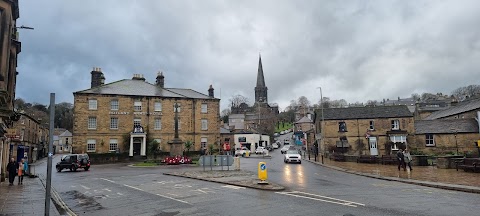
[262, 173]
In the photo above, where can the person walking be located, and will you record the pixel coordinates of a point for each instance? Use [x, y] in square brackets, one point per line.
[12, 171]
[20, 172]
[408, 159]
[401, 160]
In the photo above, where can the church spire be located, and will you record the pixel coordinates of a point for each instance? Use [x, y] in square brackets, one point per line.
[260, 78]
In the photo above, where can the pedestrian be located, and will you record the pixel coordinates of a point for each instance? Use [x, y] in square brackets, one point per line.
[20, 172]
[12, 171]
[408, 159]
[25, 167]
[401, 160]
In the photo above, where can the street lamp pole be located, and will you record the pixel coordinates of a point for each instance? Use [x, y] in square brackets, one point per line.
[322, 124]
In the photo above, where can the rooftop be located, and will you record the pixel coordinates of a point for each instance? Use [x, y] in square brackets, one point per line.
[365, 112]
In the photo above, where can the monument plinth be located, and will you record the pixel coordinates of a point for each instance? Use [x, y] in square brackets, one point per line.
[176, 145]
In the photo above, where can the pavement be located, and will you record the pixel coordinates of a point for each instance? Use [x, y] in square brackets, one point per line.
[430, 176]
[25, 199]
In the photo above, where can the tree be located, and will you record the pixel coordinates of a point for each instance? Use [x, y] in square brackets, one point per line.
[371, 103]
[325, 102]
[237, 100]
[224, 115]
[338, 103]
[153, 148]
[64, 115]
[463, 93]
[415, 97]
[188, 144]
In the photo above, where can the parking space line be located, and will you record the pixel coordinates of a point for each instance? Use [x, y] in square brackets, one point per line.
[339, 201]
[133, 187]
[107, 180]
[85, 187]
[172, 198]
[346, 201]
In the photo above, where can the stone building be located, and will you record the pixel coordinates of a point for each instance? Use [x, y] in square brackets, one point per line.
[446, 136]
[10, 47]
[380, 130]
[126, 115]
[26, 138]
[462, 110]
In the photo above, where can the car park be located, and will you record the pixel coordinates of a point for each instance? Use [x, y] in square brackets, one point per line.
[73, 162]
[285, 149]
[292, 156]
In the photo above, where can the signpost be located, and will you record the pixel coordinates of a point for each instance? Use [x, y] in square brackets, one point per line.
[50, 154]
[262, 173]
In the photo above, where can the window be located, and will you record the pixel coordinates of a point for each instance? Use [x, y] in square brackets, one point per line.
[92, 104]
[204, 124]
[114, 123]
[92, 123]
[91, 143]
[137, 106]
[429, 141]
[179, 109]
[66, 141]
[397, 139]
[372, 126]
[158, 107]
[114, 104]
[158, 124]
[395, 124]
[113, 144]
[203, 142]
[137, 122]
[204, 108]
[342, 127]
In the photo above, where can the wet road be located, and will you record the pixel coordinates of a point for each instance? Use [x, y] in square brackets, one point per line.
[117, 189]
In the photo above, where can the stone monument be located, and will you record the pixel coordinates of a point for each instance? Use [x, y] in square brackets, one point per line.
[176, 145]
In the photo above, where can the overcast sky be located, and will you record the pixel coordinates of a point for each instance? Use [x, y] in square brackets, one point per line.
[354, 50]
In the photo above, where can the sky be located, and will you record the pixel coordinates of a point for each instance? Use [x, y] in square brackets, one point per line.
[353, 50]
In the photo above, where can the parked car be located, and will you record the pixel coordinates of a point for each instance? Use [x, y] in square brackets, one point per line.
[276, 134]
[285, 149]
[286, 142]
[73, 162]
[275, 146]
[242, 151]
[292, 156]
[282, 132]
[261, 150]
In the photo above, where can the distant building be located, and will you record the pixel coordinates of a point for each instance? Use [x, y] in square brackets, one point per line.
[462, 110]
[63, 142]
[128, 114]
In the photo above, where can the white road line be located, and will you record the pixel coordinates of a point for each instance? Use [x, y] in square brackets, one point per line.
[85, 187]
[172, 198]
[234, 187]
[346, 201]
[107, 190]
[321, 200]
[107, 180]
[133, 187]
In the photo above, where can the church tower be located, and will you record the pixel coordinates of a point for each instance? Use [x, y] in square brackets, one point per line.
[261, 95]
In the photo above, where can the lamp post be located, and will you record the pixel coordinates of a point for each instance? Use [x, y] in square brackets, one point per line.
[322, 124]
[456, 144]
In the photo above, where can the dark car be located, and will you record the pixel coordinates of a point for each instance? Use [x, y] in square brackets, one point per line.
[74, 162]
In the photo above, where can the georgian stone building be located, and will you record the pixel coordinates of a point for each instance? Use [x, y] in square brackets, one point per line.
[381, 130]
[127, 114]
[10, 47]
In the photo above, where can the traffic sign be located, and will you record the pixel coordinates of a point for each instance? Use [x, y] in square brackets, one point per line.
[263, 166]
[50, 154]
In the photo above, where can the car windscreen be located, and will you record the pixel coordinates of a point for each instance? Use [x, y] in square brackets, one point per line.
[80, 157]
[292, 152]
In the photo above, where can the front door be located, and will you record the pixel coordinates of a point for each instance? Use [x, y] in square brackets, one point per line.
[136, 148]
[372, 141]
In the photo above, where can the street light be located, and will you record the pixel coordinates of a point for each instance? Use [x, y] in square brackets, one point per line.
[322, 124]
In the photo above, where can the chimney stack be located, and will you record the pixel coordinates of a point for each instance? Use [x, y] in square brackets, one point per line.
[160, 80]
[138, 77]
[210, 92]
[98, 78]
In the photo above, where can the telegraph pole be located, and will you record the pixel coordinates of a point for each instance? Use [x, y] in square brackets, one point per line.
[50, 154]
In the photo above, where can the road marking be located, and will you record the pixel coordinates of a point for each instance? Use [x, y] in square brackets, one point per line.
[234, 187]
[85, 187]
[321, 198]
[107, 180]
[120, 194]
[133, 187]
[172, 198]
[107, 190]
[173, 194]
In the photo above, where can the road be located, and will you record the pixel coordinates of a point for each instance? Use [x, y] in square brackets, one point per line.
[117, 189]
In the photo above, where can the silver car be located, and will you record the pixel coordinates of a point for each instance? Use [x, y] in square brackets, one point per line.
[292, 156]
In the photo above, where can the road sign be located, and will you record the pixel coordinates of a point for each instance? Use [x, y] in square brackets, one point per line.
[50, 154]
[263, 167]
[262, 171]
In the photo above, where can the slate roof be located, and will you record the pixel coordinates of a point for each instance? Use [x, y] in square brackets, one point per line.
[446, 126]
[142, 88]
[304, 120]
[457, 109]
[364, 112]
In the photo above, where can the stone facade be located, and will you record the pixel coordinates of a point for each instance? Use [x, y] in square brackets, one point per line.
[444, 144]
[105, 136]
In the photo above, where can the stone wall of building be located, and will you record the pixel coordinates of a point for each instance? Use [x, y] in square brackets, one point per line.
[448, 143]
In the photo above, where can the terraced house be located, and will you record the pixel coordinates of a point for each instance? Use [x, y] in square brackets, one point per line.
[380, 130]
[127, 114]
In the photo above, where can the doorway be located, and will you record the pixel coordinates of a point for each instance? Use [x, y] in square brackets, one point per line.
[372, 141]
[137, 146]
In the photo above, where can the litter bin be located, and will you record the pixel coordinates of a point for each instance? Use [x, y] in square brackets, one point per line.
[422, 160]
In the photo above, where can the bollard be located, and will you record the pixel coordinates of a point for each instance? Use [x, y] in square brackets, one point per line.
[322, 158]
[262, 173]
[236, 162]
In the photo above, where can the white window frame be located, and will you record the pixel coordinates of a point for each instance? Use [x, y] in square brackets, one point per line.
[204, 124]
[113, 122]
[203, 142]
[372, 125]
[157, 124]
[158, 106]
[114, 105]
[113, 143]
[92, 123]
[92, 104]
[137, 121]
[137, 106]
[204, 108]
[396, 124]
[403, 139]
[91, 145]
[429, 141]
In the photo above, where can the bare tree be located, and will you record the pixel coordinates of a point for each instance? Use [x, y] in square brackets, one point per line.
[237, 100]
[224, 115]
[338, 103]
[371, 102]
[415, 97]
[326, 103]
[465, 92]
[292, 107]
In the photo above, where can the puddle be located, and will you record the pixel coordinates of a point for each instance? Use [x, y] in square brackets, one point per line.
[81, 200]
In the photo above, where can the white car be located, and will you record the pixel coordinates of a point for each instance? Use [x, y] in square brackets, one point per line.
[242, 151]
[285, 149]
[261, 150]
[275, 146]
[282, 132]
[292, 156]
